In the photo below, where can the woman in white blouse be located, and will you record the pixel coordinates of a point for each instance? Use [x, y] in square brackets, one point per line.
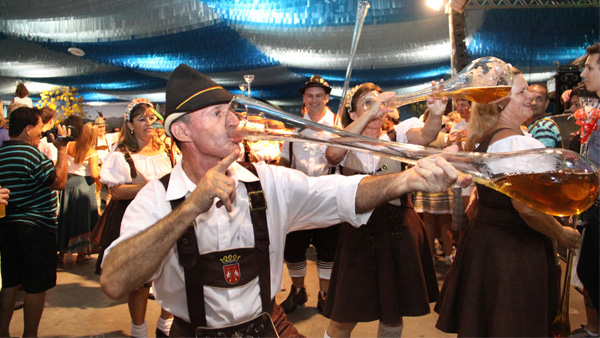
[503, 282]
[139, 157]
[22, 95]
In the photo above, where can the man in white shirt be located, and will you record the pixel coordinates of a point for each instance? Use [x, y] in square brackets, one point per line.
[47, 148]
[310, 159]
[106, 141]
[206, 274]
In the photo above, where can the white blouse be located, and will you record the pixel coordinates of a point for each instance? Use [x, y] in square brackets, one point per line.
[534, 164]
[370, 162]
[80, 169]
[115, 170]
[515, 143]
[24, 100]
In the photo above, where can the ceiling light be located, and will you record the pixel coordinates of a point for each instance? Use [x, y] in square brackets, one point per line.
[435, 4]
[76, 51]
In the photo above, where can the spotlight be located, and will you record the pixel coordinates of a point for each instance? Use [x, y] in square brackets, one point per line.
[435, 4]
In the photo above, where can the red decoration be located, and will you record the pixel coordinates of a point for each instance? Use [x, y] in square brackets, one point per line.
[588, 120]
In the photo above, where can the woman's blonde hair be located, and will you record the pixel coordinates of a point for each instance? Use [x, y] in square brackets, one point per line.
[86, 140]
[354, 95]
[484, 117]
[128, 138]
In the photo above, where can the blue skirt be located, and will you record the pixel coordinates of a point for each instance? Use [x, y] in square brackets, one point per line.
[77, 214]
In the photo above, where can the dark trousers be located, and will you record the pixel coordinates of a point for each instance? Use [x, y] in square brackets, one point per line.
[324, 241]
[589, 262]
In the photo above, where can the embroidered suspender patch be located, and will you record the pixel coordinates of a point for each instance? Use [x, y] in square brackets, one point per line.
[231, 268]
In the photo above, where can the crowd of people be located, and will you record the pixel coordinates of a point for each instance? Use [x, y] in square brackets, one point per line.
[211, 234]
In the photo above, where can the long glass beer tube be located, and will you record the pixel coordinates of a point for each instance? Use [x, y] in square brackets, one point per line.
[485, 80]
[555, 181]
[361, 14]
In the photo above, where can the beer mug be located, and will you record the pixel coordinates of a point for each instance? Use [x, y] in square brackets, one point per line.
[2, 209]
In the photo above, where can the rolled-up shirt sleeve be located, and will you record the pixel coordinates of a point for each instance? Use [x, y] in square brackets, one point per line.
[312, 202]
[346, 201]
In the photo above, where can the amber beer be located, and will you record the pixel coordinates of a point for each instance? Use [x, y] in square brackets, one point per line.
[554, 193]
[482, 95]
[2, 210]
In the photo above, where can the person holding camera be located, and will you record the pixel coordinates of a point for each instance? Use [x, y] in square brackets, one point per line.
[78, 211]
[28, 231]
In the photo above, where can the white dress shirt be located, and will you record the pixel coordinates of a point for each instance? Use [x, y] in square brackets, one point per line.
[461, 125]
[48, 149]
[309, 157]
[294, 202]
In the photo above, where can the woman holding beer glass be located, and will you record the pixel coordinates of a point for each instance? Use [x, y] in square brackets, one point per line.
[382, 270]
[503, 281]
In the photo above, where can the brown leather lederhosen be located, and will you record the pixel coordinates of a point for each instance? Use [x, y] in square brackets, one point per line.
[227, 268]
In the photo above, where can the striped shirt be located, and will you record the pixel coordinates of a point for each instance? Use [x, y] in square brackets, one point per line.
[28, 174]
[546, 131]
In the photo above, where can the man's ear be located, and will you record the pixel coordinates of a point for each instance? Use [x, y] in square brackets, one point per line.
[28, 129]
[181, 132]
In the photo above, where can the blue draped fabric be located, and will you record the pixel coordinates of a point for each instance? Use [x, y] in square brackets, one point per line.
[246, 36]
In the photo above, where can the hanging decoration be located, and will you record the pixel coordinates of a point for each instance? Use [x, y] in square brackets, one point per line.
[66, 101]
[132, 46]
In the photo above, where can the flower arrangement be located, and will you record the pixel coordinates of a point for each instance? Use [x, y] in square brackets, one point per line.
[65, 100]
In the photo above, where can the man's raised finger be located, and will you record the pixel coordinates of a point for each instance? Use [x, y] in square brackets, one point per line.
[227, 161]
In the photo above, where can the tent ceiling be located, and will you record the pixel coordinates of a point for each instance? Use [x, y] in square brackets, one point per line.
[132, 46]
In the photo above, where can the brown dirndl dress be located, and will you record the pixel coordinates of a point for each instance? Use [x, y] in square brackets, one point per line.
[382, 270]
[109, 224]
[503, 282]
